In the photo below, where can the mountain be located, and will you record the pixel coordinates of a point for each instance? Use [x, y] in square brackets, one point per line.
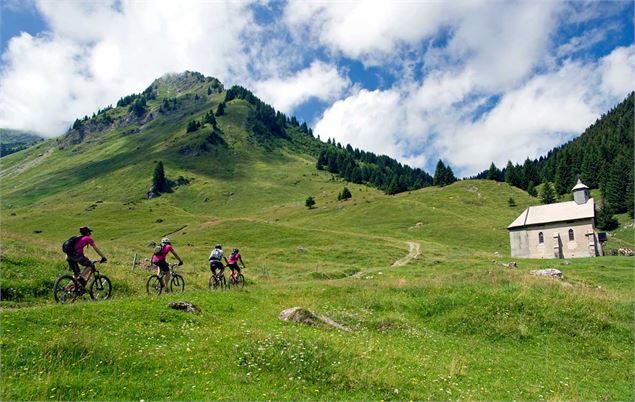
[421, 278]
[12, 141]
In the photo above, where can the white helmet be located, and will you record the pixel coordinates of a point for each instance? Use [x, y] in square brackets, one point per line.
[165, 240]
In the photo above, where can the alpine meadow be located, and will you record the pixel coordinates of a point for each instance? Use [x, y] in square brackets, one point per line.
[413, 269]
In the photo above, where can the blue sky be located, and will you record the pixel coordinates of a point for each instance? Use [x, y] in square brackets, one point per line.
[469, 82]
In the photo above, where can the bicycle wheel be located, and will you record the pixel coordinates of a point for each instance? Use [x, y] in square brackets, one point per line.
[177, 284]
[240, 281]
[153, 285]
[100, 288]
[64, 289]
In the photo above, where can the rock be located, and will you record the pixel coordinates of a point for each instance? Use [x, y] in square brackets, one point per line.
[552, 272]
[307, 317]
[497, 254]
[185, 306]
[565, 262]
[301, 249]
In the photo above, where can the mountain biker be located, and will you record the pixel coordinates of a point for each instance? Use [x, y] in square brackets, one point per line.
[75, 257]
[159, 259]
[215, 258]
[233, 263]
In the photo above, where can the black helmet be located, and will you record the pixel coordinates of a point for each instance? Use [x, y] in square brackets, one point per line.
[235, 250]
[85, 230]
[218, 246]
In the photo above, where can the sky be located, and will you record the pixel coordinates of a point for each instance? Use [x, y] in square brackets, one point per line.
[467, 82]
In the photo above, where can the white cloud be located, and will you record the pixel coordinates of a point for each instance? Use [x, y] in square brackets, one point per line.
[618, 71]
[320, 81]
[435, 120]
[370, 120]
[370, 30]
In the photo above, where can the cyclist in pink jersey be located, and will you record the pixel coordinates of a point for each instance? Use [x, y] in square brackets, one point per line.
[76, 256]
[232, 263]
[159, 259]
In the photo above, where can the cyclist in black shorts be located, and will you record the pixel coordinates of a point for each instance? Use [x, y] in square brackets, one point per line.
[233, 263]
[215, 260]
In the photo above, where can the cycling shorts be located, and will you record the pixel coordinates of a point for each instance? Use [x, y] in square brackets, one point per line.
[215, 264]
[75, 260]
[234, 266]
[163, 265]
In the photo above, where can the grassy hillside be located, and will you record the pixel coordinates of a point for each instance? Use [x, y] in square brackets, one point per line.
[451, 323]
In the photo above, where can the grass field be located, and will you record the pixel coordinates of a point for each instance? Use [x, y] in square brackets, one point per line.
[452, 323]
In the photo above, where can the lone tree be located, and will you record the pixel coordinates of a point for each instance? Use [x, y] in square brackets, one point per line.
[220, 110]
[548, 194]
[511, 202]
[192, 126]
[310, 202]
[159, 182]
[344, 195]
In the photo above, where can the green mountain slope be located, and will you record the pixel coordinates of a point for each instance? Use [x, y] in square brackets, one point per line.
[449, 323]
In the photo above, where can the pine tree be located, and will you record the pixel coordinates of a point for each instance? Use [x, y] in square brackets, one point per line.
[393, 187]
[510, 174]
[439, 174]
[159, 182]
[548, 195]
[531, 189]
[614, 190]
[310, 202]
[565, 179]
[605, 219]
[345, 194]
[220, 109]
[493, 173]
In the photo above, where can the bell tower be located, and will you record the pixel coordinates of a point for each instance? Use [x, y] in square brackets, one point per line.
[580, 193]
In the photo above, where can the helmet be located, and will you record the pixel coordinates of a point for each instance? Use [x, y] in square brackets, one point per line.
[165, 240]
[218, 246]
[235, 250]
[85, 230]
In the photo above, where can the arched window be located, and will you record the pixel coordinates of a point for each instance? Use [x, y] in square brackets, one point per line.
[571, 236]
[541, 238]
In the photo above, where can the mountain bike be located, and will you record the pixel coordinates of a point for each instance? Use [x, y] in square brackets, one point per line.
[154, 285]
[68, 288]
[217, 281]
[238, 282]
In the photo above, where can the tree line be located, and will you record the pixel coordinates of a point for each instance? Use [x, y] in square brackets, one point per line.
[363, 167]
[602, 157]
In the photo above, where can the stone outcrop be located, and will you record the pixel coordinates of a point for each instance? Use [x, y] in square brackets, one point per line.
[185, 306]
[552, 272]
[307, 317]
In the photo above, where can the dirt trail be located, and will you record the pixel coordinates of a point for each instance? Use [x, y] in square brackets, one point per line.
[415, 251]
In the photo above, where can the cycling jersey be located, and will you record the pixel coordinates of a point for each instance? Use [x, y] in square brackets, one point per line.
[82, 243]
[233, 259]
[216, 255]
[164, 252]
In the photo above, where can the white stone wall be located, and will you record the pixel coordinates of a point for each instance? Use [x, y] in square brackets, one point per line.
[525, 242]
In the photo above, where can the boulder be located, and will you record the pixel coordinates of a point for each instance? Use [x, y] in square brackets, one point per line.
[307, 317]
[552, 272]
[185, 306]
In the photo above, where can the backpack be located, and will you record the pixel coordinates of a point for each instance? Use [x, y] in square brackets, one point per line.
[216, 253]
[158, 250]
[69, 245]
